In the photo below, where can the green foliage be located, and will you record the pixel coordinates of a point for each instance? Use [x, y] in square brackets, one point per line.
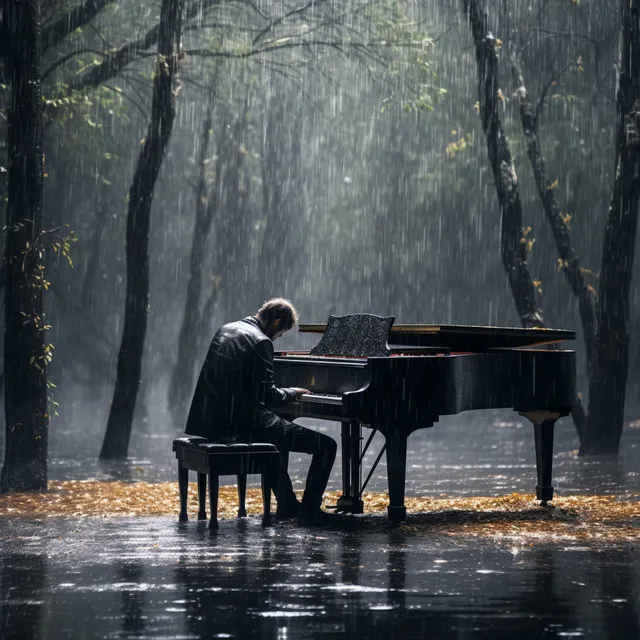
[407, 53]
[81, 113]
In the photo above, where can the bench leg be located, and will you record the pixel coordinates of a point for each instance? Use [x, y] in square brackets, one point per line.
[242, 495]
[214, 485]
[266, 499]
[183, 487]
[202, 496]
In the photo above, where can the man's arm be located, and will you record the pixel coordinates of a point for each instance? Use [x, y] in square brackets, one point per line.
[271, 395]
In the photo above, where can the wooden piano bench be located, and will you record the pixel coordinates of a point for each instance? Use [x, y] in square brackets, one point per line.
[216, 459]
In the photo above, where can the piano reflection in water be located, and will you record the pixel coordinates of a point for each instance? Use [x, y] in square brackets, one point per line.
[367, 372]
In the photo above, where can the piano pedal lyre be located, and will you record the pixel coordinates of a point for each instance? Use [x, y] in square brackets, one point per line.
[348, 504]
[353, 487]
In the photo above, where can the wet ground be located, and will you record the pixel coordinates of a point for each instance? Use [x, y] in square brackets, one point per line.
[154, 578]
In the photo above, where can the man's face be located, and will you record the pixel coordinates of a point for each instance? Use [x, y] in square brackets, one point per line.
[274, 331]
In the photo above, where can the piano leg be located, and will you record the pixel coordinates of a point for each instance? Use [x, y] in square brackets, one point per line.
[396, 473]
[543, 430]
[183, 487]
[356, 468]
[350, 500]
[345, 439]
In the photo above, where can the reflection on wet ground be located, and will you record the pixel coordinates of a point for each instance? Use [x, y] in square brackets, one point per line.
[154, 578]
[477, 453]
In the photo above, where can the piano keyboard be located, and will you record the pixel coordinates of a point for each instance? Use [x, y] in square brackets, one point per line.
[322, 398]
[324, 406]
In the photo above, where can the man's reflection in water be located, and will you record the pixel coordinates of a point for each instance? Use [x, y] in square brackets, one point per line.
[133, 620]
[620, 597]
[231, 578]
[21, 596]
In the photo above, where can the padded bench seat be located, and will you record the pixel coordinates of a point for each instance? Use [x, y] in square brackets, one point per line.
[216, 459]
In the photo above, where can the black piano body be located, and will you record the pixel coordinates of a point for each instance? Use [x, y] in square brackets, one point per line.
[422, 379]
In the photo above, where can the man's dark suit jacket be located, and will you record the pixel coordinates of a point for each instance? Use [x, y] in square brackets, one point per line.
[236, 388]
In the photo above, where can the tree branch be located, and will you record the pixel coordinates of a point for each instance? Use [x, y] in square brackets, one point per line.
[570, 264]
[567, 34]
[274, 23]
[336, 44]
[220, 25]
[114, 62]
[66, 58]
[66, 24]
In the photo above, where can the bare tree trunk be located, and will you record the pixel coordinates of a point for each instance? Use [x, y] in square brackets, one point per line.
[513, 240]
[609, 380]
[76, 18]
[25, 356]
[116, 440]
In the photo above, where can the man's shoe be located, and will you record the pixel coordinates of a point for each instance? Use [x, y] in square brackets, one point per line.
[288, 511]
[313, 518]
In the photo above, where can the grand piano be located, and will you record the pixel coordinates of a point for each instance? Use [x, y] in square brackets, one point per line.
[395, 379]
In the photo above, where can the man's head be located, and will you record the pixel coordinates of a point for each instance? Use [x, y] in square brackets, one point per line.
[277, 316]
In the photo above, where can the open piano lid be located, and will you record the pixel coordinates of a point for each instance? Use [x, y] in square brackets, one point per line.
[464, 337]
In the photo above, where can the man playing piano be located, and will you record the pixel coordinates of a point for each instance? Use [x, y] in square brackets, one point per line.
[235, 397]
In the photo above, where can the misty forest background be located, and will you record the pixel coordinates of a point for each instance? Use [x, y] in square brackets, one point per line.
[332, 152]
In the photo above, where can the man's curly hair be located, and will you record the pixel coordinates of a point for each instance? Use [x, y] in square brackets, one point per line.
[278, 309]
